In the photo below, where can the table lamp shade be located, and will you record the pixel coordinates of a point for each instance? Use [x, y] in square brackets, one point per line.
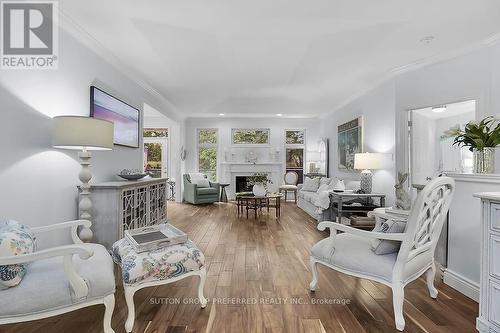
[368, 161]
[74, 132]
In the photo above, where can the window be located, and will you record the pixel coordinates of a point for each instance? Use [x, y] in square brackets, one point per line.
[251, 136]
[294, 137]
[294, 148]
[156, 132]
[156, 152]
[207, 152]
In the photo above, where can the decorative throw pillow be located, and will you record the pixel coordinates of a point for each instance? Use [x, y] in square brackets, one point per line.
[322, 188]
[382, 246]
[195, 176]
[324, 181]
[15, 239]
[202, 182]
[310, 184]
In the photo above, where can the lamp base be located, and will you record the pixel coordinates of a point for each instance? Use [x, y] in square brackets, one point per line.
[366, 181]
[85, 204]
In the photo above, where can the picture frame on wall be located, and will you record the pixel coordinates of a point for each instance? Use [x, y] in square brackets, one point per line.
[350, 142]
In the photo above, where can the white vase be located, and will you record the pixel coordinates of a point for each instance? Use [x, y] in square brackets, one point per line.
[259, 190]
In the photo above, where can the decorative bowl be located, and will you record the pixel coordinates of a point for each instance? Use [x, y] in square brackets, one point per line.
[133, 174]
[136, 176]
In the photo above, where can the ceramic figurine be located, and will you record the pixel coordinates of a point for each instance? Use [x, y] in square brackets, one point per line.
[339, 186]
[403, 200]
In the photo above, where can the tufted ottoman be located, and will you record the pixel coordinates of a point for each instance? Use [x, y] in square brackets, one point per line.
[157, 267]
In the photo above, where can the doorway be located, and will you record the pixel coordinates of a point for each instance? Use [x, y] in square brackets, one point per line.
[431, 151]
[156, 152]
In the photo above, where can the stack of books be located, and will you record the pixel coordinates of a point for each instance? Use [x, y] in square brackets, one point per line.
[155, 237]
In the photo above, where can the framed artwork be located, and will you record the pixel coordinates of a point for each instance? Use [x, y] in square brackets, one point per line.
[350, 142]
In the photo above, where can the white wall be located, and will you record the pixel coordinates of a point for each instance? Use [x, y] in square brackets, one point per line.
[38, 182]
[471, 76]
[224, 125]
[378, 110]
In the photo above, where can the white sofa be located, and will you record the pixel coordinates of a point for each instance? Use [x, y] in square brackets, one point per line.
[317, 203]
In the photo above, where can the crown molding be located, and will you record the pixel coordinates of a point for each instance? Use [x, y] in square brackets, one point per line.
[362, 92]
[79, 33]
[492, 40]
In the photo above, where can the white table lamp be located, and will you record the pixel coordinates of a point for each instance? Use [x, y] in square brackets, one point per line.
[85, 134]
[368, 162]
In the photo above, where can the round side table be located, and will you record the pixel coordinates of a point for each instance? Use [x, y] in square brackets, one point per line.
[223, 194]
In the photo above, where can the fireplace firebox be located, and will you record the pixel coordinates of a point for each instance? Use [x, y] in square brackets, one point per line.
[242, 184]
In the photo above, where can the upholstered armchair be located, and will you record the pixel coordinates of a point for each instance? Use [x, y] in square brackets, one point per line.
[60, 280]
[351, 252]
[196, 193]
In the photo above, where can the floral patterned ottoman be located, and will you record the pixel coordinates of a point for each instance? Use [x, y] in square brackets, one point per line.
[157, 267]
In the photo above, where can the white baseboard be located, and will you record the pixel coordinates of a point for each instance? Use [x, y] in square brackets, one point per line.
[462, 284]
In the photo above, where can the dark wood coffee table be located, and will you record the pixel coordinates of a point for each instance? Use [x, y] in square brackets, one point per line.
[251, 202]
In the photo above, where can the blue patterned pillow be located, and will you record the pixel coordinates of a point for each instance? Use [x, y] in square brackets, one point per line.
[15, 239]
[384, 246]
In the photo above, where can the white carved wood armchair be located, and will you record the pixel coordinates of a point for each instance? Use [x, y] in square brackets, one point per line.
[350, 252]
[60, 279]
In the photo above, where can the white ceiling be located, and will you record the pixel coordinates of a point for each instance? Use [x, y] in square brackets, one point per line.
[262, 57]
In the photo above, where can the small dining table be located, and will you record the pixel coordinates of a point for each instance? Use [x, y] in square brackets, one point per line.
[251, 202]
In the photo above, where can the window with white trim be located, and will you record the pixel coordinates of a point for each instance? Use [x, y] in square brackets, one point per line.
[207, 140]
[295, 143]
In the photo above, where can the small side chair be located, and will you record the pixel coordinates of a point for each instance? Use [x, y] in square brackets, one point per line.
[291, 179]
[350, 252]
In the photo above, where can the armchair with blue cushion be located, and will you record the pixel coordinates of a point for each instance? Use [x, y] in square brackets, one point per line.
[195, 193]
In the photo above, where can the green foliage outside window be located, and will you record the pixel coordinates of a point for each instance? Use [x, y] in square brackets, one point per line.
[153, 165]
[207, 136]
[294, 137]
[155, 132]
[250, 136]
[207, 159]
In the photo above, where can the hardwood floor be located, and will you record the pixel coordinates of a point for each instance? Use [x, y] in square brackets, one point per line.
[265, 263]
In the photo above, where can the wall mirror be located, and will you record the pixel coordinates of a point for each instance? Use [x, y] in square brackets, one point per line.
[432, 152]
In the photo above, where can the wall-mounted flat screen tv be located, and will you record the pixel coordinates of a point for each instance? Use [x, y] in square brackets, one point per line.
[123, 116]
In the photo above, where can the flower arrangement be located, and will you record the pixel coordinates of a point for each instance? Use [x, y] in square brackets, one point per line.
[476, 134]
[259, 178]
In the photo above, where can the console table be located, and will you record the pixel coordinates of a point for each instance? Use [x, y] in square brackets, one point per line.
[342, 203]
[121, 205]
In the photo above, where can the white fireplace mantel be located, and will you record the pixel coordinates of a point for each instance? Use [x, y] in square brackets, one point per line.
[229, 171]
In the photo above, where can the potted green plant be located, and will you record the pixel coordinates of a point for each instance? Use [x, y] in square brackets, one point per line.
[259, 182]
[481, 137]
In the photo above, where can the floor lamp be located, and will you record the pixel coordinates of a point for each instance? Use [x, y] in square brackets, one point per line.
[84, 134]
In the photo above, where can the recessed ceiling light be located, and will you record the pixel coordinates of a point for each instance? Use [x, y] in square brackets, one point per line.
[427, 39]
[221, 114]
[439, 109]
[279, 114]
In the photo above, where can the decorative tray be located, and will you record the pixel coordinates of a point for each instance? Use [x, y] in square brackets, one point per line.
[155, 237]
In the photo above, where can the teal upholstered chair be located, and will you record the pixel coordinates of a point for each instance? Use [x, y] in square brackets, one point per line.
[199, 195]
